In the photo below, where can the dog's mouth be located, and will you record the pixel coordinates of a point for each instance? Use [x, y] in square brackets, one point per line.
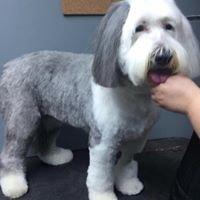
[158, 76]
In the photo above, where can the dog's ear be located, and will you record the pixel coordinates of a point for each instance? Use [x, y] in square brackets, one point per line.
[105, 67]
[192, 46]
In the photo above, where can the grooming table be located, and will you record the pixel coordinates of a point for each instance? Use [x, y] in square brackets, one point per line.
[158, 164]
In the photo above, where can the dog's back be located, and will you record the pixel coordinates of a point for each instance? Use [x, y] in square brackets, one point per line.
[55, 81]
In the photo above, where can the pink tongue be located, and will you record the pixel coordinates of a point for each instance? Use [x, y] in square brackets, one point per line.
[158, 78]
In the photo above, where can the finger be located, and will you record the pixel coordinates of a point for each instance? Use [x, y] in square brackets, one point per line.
[153, 97]
[156, 103]
[155, 90]
[183, 74]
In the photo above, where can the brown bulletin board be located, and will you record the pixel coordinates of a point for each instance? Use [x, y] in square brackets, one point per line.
[85, 7]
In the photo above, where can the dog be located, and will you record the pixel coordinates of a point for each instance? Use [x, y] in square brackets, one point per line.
[139, 43]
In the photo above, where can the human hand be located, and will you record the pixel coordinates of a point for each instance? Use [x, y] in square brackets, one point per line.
[177, 94]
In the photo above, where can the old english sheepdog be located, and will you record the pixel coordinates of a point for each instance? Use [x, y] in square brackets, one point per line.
[139, 43]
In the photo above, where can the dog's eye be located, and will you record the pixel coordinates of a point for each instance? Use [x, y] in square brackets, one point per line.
[169, 27]
[139, 28]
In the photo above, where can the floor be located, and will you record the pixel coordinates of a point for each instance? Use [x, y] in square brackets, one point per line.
[158, 164]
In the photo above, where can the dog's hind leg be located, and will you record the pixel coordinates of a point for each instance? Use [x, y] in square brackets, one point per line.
[126, 170]
[20, 129]
[48, 151]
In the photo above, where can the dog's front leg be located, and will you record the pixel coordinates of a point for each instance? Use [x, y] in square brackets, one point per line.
[100, 178]
[126, 170]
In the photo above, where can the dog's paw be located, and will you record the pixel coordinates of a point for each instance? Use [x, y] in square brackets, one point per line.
[94, 195]
[131, 186]
[13, 185]
[126, 180]
[57, 156]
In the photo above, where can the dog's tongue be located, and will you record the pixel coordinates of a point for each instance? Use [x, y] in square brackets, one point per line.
[157, 78]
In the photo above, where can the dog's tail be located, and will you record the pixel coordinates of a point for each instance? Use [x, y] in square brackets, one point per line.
[1, 96]
[3, 92]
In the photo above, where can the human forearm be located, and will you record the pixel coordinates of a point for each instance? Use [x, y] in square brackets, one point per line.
[193, 114]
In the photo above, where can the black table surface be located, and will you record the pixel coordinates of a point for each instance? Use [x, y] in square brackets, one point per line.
[157, 169]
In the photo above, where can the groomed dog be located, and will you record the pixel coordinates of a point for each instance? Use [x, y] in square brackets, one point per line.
[139, 43]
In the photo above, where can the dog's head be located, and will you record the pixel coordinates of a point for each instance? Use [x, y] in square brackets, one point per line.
[145, 40]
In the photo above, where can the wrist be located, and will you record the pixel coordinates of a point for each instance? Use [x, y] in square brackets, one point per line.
[193, 104]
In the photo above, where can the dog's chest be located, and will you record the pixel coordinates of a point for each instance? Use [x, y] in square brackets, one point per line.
[122, 110]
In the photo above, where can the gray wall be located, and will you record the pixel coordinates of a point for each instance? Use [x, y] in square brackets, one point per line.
[31, 25]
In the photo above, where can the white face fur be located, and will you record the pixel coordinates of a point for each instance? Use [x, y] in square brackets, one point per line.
[153, 25]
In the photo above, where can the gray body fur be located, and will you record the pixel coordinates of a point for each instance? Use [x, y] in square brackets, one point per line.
[29, 94]
[39, 75]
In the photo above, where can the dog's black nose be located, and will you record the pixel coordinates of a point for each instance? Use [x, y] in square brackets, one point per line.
[163, 57]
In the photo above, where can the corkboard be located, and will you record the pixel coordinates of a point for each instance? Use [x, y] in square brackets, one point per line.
[85, 7]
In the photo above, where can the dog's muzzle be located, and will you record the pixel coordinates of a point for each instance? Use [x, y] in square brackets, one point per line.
[161, 66]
